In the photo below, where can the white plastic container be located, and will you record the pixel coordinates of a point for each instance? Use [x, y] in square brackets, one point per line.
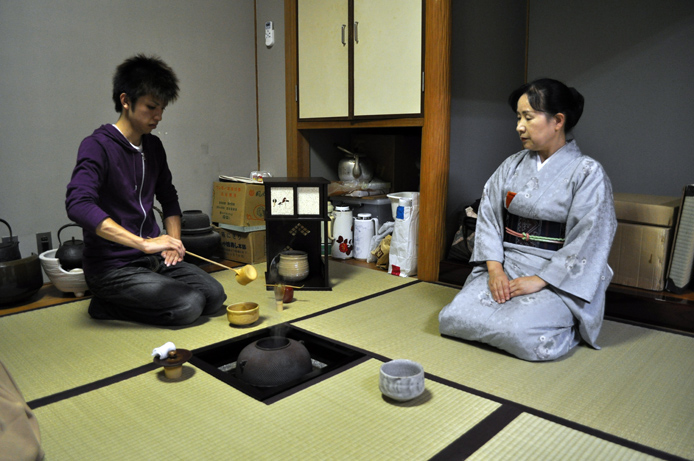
[395, 199]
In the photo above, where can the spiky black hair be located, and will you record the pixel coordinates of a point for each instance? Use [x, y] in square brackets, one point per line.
[141, 75]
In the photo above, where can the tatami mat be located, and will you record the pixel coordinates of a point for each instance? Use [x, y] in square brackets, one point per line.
[531, 438]
[640, 386]
[58, 348]
[344, 417]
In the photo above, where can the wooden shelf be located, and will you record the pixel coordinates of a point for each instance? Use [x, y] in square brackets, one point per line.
[355, 262]
[383, 123]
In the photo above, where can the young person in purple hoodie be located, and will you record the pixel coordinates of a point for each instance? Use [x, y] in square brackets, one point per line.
[135, 273]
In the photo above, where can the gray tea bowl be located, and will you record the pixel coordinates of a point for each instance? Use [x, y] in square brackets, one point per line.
[401, 379]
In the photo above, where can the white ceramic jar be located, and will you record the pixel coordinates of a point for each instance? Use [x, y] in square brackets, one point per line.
[343, 237]
[365, 227]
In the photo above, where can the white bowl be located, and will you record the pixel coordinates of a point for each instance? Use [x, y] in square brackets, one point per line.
[401, 379]
[395, 199]
[65, 281]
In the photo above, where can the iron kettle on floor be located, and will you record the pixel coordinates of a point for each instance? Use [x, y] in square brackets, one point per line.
[9, 251]
[69, 254]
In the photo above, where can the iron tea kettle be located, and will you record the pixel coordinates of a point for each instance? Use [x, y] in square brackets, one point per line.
[9, 251]
[69, 254]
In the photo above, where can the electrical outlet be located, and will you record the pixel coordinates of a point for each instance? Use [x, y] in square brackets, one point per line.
[44, 242]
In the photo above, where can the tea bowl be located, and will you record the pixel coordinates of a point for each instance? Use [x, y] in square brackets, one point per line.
[401, 379]
[243, 313]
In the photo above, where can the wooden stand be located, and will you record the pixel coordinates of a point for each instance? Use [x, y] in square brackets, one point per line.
[296, 225]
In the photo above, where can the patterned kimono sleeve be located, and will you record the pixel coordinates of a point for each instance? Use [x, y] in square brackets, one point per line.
[489, 231]
[581, 264]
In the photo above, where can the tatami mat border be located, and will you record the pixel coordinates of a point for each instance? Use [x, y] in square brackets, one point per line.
[356, 301]
[40, 402]
[482, 433]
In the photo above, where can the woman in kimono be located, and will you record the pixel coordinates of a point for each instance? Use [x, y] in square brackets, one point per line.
[544, 230]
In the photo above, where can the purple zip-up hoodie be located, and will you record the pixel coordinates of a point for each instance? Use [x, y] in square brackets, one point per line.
[113, 180]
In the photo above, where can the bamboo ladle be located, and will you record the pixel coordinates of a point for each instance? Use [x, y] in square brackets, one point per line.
[244, 276]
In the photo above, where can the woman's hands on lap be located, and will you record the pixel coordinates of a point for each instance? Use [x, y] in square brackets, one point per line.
[498, 282]
[526, 285]
[502, 289]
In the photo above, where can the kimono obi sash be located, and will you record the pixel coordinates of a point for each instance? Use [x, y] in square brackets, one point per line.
[548, 235]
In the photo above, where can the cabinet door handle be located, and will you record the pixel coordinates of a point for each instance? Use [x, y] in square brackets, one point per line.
[344, 41]
[356, 32]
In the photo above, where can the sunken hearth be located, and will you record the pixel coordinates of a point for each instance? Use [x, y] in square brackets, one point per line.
[327, 359]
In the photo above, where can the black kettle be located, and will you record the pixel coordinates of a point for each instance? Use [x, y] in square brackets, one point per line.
[9, 251]
[69, 254]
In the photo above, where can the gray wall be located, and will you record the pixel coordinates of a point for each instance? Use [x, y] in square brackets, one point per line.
[56, 64]
[633, 62]
[487, 63]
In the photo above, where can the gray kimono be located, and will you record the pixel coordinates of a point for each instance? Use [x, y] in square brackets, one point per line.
[570, 188]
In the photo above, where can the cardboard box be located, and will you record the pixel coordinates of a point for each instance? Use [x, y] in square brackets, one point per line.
[640, 251]
[655, 210]
[245, 247]
[639, 255]
[238, 204]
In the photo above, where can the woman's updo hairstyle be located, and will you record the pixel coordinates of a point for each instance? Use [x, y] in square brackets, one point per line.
[551, 97]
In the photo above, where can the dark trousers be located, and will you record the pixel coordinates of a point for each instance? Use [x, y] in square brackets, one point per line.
[147, 291]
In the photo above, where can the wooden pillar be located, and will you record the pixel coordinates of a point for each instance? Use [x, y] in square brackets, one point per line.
[436, 133]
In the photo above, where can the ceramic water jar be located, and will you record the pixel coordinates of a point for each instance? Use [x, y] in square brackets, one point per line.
[293, 266]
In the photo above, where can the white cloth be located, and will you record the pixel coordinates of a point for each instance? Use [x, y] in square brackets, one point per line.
[163, 351]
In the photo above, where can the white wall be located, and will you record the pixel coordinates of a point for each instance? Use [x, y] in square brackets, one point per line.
[272, 125]
[56, 64]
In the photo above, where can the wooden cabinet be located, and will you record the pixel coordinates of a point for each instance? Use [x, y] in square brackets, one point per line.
[359, 58]
[296, 214]
[434, 121]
